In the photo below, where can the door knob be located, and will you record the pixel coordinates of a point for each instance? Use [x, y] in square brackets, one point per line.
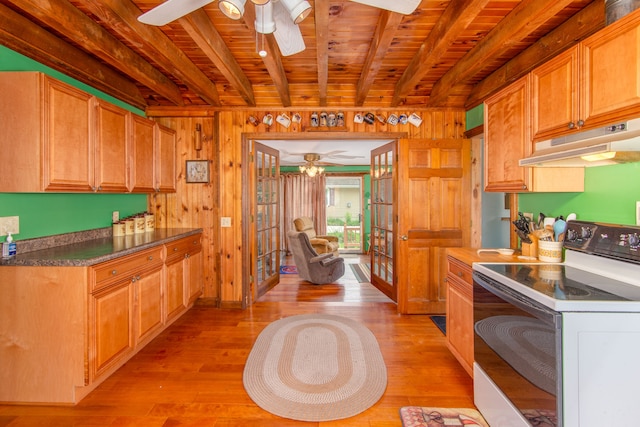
[404, 237]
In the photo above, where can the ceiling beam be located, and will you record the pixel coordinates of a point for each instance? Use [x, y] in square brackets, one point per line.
[23, 36]
[321, 14]
[198, 25]
[122, 17]
[273, 60]
[455, 19]
[517, 25]
[64, 18]
[384, 35]
[579, 26]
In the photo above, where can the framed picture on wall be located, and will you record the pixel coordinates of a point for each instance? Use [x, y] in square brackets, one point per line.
[197, 171]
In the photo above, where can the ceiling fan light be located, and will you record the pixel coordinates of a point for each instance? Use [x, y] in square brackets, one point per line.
[264, 23]
[233, 9]
[298, 9]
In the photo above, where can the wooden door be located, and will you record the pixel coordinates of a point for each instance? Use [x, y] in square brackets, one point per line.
[434, 203]
[266, 227]
[383, 219]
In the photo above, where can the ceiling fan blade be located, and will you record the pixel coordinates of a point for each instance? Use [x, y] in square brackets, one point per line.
[287, 34]
[171, 10]
[406, 7]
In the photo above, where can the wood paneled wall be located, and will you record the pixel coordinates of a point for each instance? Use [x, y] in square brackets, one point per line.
[202, 205]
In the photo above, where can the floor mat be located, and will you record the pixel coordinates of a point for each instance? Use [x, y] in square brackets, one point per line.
[288, 269]
[441, 323]
[418, 416]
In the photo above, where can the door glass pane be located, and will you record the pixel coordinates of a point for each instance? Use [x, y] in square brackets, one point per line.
[382, 221]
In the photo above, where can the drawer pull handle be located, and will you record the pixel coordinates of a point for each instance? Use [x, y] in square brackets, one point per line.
[114, 272]
[150, 258]
[460, 273]
[175, 249]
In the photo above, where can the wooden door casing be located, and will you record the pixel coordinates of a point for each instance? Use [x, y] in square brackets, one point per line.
[434, 213]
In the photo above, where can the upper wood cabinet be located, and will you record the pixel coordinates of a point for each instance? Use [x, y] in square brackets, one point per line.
[111, 148]
[165, 159]
[63, 139]
[593, 84]
[508, 139]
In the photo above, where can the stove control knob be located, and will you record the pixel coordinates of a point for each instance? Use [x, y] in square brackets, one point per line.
[572, 235]
[585, 233]
[634, 240]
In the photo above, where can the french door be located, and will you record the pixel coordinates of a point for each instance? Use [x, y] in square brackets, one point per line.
[266, 224]
[383, 219]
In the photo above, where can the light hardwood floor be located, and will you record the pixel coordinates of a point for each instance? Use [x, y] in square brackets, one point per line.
[191, 375]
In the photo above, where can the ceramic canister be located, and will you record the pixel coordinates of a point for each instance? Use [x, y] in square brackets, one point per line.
[149, 222]
[140, 224]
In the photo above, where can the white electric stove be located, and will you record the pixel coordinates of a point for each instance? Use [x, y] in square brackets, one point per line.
[556, 344]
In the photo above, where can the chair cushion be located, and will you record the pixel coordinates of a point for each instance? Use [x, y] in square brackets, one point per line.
[305, 224]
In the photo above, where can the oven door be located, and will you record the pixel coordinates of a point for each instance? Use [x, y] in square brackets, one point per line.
[517, 346]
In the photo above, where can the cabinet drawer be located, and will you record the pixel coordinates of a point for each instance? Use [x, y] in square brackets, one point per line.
[460, 270]
[180, 247]
[111, 271]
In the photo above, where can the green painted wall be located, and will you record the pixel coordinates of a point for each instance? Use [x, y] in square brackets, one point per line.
[475, 117]
[610, 196]
[46, 214]
[610, 191]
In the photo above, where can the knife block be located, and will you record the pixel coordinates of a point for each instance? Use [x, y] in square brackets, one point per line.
[530, 249]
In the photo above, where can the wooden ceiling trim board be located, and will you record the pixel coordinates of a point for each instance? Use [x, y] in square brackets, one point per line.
[205, 35]
[122, 16]
[64, 18]
[25, 37]
[273, 60]
[522, 21]
[382, 39]
[455, 19]
[321, 13]
[581, 25]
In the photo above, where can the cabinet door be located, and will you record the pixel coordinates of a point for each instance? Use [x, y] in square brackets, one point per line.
[165, 159]
[507, 138]
[112, 322]
[111, 148]
[554, 96]
[611, 66]
[460, 321]
[148, 292]
[68, 156]
[195, 276]
[142, 155]
[175, 292]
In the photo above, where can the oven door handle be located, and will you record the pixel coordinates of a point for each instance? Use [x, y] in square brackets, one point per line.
[516, 298]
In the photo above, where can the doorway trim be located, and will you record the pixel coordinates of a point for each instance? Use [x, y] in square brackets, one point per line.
[249, 294]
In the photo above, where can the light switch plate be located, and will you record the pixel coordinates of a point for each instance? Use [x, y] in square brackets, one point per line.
[225, 221]
[115, 216]
[9, 224]
[638, 213]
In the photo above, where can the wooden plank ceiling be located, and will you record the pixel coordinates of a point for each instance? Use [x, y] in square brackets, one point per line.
[447, 53]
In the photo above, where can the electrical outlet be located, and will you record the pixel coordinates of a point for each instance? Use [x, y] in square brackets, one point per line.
[638, 213]
[9, 224]
[225, 221]
[115, 216]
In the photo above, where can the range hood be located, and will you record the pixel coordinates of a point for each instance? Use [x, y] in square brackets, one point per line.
[616, 143]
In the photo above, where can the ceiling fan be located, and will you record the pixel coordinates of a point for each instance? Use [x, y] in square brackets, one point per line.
[280, 17]
[329, 155]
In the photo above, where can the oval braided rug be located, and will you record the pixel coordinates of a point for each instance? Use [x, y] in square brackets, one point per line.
[315, 367]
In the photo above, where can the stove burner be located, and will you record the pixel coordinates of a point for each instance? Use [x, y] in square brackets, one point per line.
[574, 292]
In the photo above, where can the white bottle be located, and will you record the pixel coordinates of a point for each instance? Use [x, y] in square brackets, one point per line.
[9, 247]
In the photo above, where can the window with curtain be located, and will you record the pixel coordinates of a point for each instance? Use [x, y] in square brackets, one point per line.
[302, 195]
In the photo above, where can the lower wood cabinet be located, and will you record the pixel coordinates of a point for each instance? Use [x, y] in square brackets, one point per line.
[66, 329]
[460, 312]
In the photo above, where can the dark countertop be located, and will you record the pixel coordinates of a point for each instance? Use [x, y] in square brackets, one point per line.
[95, 251]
